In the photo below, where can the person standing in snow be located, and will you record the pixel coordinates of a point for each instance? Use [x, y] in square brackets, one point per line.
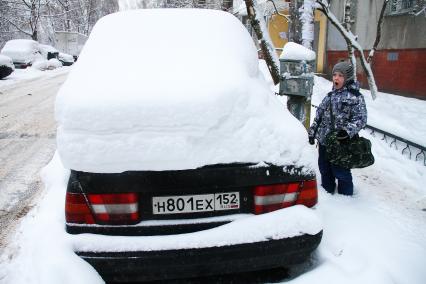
[349, 115]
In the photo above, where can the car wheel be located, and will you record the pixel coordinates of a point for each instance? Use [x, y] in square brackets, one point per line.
[5, 71]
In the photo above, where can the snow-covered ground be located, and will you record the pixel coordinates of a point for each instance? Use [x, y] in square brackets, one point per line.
[377, 236]
[29, 74]
[27, 141]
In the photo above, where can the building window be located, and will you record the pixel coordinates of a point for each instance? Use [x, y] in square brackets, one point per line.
[397, 7]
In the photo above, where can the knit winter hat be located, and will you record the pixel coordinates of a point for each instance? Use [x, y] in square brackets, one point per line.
[346, 69]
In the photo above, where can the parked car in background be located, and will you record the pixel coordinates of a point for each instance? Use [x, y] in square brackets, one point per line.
[22, 51]
[48, 51]
[66, 59]
[6, 66]
[184, 163]
[50, 58]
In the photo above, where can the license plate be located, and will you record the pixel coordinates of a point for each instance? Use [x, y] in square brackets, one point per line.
[195, 203]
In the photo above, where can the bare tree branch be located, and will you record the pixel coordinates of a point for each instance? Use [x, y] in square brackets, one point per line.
[26, 4]
[287, 17]
[16, 26]
[267, 53]
[421, 11]
[13, 22]
[378, 33]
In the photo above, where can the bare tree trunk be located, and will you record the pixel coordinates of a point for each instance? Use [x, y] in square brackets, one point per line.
[295, 27]
[33, 20]
[347, 23]
[307, 19]
[89, 14]
[34, 17]
[67, 16]
[272, 66]
[378, 33]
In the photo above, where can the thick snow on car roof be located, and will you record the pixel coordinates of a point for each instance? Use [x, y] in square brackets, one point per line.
[21, 50]
[171, 89]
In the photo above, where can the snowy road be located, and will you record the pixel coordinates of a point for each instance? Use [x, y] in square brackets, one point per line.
[27, 143]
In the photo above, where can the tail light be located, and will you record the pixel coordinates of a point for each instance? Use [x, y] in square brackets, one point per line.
[114, 208]
[77, 210]
[308, 194]
[269, 198]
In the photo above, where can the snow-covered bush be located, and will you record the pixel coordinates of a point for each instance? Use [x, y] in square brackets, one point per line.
[6, 66]
[50, 64]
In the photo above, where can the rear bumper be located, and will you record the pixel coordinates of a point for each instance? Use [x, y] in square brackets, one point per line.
[255, 242]
[183, 263]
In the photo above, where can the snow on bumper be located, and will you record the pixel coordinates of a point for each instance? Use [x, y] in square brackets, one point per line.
[285, 223]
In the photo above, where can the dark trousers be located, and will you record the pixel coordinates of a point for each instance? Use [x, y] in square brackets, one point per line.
[329, 174]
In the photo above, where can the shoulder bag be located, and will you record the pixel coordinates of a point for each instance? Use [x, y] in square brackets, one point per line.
[349, 154]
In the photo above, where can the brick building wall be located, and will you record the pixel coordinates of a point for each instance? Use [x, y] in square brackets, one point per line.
[397, 71]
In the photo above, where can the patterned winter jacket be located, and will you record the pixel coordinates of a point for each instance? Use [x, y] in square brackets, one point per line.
[349, 110]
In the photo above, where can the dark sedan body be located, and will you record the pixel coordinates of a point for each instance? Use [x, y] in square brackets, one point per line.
[162, 204]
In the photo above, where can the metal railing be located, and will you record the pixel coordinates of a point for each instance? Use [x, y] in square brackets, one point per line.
[409, 145]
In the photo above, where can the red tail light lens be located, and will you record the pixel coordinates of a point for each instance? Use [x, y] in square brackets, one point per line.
[308, 195]
[77, 210]
[268, 198]
[116, 208]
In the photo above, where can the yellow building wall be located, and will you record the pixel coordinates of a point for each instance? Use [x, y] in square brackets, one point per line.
[278, 32]
[322, 19]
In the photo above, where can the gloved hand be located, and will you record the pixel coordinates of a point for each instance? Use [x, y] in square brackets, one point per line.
[342, 136]
[311, 140]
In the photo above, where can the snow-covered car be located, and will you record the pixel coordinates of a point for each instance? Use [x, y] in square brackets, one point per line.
[22, 51]
[184, 163]
[48, 51]
[66, 59]
[6, 66]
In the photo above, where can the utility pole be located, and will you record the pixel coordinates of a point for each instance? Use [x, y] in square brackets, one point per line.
[301, 32]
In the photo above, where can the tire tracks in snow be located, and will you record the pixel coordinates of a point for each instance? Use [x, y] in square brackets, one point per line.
[27, 143]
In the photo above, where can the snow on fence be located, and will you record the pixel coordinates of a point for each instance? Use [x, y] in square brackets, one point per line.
[396, 141]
